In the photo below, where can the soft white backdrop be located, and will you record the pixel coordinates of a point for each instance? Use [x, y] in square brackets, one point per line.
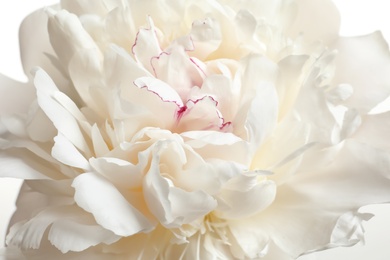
[358, 17]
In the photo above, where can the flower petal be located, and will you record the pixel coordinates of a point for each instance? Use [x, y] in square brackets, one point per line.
[175, 67]
[257, 195]
[352, 64]
[69, 230]
[259, 106]
[146, 46]
[21, 167]
[318, 20]
[65, 152]
[314, 200]
[166, 201]
[15, 97]
[95, 194]
[62, 119]
[160, 88]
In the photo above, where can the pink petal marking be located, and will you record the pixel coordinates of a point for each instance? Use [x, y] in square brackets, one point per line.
[157, 58]
[187, 108]
[165, 92]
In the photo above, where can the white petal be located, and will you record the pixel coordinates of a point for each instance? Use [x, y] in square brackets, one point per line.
[249, 241]
[62, 233]
[201, 114]
[95, 195]
[62, 119]
[65, 152]
[257, 195]
[36, 50]
[146, 46]
[67, 35]
[160, 88]
[352, 65]
[214, 144]
[318, 20]
[16, 167]
[99, 144]
[258, 114]
[75, 236]
[36, 119]
[177, 69]
[206, 37]
[349, 230]
[374, 130]
[202, 138]
[190, 206]
[315, 199]
[163, 198]
[15, 97]
[119, 172]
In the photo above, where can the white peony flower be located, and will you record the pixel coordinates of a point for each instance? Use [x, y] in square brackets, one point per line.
[193, 130]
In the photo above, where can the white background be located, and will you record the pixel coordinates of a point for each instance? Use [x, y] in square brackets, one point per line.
[358, 17]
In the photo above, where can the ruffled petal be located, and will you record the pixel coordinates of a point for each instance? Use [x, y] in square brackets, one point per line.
[176, 68]
[30, 234]
[166, 201]
[314, 201]
[146, 46]
[258, 114]
[258, 195]
[62, 119]
[201, 114]
[248, 241]
[65, 152]
[95, 194]
[355, 55]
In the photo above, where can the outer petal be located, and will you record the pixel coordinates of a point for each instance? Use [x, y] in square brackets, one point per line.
[62, 118]
[314, 201]
[15, 97]
[374, 130]
[65, 152]
[29, 234]
[249, 242]
[364, 62]
[318, 20]
[257, 196]
[36, 50]
[95, 195]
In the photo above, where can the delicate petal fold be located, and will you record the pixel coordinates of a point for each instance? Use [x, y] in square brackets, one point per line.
[63, 221]
[167, 201]
[95, 194]
[258, 195]
[314, 201]
[355, 56]
[62, 119]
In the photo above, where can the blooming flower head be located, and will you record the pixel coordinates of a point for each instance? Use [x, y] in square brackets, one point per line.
[194, 130]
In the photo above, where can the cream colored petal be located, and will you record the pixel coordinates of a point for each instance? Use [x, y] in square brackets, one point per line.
[15, 97]
[314, 200]
[317, 20]
[364, 63]
[62, 118]
[60, 220]
[95, 194]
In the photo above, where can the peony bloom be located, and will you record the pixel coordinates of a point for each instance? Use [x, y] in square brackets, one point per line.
[193, 130]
